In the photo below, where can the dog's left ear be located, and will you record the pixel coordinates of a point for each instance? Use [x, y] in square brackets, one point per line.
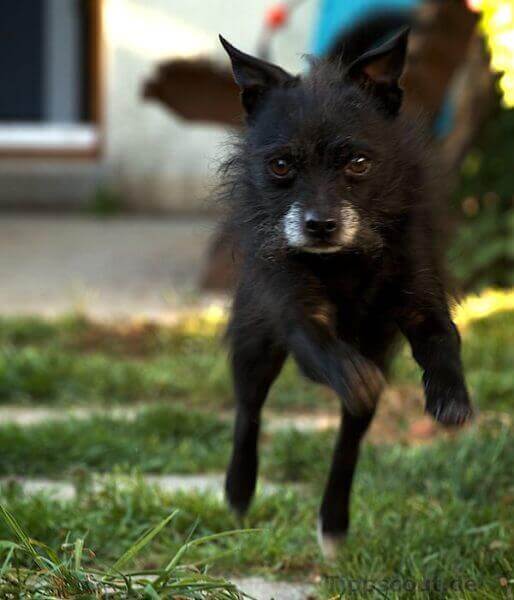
[255, 77]
[378, 72]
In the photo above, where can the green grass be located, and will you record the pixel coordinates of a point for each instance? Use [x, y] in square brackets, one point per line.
[489, 357]
[162, 439]
[443, 510]
[64, 574]
[73, 361]
[440, 511]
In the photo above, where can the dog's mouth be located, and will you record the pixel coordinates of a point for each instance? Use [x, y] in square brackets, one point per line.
[322, 248]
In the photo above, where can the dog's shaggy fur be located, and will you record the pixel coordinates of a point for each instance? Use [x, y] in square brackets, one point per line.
[332, 200]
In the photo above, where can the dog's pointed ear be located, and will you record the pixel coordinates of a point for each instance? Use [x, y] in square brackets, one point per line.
[378, 71]
[255, 77]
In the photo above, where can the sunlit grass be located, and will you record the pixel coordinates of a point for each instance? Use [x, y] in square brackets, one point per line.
[481, 306]
[207, 322]
[420, 511]
[75, 361]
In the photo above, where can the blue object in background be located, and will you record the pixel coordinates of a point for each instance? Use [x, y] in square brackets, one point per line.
[337, 15]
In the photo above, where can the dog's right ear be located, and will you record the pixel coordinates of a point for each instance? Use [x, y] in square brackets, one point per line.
[255, 77]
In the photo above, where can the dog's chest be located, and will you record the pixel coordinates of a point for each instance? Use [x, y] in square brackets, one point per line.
[354, 293]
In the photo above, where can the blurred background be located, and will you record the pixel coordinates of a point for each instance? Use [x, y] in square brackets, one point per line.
[114, 115]
[79, 142]
[121, 108]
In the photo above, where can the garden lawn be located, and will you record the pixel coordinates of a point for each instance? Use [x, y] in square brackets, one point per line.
[437, 510]
[74, 361]
[440, 511]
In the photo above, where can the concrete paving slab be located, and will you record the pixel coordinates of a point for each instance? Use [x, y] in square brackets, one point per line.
[27, 415]
[261, 589]
[66, 490]
[107, 267]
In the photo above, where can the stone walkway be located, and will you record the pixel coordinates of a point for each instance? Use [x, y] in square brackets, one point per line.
[65, 490]
[272, 422]
[171, 484]
[108, 268]
[260, 589]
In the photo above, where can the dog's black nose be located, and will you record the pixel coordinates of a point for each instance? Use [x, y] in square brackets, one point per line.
[319, 226]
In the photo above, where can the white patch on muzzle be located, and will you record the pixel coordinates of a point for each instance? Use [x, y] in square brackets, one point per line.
[296, 238]
[293, 226]
[350, 225]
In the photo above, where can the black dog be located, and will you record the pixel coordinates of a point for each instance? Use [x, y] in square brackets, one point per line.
[330, 196]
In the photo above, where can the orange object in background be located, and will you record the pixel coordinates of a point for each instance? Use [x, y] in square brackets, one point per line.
[276, 16]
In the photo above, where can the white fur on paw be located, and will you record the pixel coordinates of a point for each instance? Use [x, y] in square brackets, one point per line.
[329, 544]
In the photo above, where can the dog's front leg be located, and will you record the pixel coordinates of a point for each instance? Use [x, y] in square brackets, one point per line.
[435, 344]
[256, 362]
[334, 514]
[358, 382]
[326, 359]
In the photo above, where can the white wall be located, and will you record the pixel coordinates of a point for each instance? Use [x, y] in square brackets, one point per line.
[153, 159]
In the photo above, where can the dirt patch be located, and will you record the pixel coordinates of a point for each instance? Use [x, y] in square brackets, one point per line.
[136, 340]
[400, 419]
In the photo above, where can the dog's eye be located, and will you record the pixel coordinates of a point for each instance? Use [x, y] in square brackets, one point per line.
[358, 165]
[280, 167]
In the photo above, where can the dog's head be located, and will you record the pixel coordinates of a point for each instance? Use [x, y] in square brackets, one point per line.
[323, 156]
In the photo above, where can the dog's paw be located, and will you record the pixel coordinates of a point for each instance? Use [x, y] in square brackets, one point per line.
[330, 543]
[238, 503]
[238, 506]
[240, 488]
[448, 403]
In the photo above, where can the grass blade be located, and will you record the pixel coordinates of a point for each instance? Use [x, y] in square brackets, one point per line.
[77, 553]
[7, 562]
[185, 547]
[145, 539]
[15, 527]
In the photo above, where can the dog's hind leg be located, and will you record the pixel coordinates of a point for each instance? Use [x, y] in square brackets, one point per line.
[334, 515]
[256, 362]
